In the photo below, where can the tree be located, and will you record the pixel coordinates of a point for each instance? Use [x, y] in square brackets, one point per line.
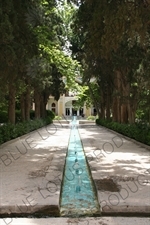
[33, 60]
[115, 37]
[17, 48]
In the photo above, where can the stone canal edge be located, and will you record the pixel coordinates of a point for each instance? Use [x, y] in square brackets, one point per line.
[32, 170]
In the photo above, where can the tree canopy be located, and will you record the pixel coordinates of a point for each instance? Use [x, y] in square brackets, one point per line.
[33, 54]
[113, 46]
[107, 41]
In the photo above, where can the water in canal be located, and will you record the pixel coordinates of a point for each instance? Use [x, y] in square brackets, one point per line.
[78, 196]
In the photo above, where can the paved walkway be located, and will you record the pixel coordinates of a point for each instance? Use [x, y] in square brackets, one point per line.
[77, 221]
[120, 169]
[31, 172]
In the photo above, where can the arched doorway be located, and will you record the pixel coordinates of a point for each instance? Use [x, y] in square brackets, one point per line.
[94, 111]
[71, 110]
[81, 112]
[68, 108]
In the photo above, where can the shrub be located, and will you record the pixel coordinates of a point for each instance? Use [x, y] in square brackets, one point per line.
[48, 120]
[3, 117]
[139, 132]
[91, 118]
[18, 116]
[58, 118]
[10, 131]
[50, 114]
[32, 114]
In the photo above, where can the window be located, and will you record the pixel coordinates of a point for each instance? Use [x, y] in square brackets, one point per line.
[53, 107]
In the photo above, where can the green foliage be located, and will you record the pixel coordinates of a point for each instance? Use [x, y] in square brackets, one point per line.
[32, 114]
[83, 96]
[11, 131]
[50, 114]
[58, 118]
[34, 50]
[64, 64]
[18, 116]
[89, 95]
[139, 131]
[50, 21]
[3, 117]
[112, 43]
[65, 11]
[91, 118]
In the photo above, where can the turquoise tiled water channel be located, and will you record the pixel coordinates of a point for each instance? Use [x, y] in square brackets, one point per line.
[78, 195]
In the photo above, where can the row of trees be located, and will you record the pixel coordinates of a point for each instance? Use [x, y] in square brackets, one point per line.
[112, 41]
[33, 55]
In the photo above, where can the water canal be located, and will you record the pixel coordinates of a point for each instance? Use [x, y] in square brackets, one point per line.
[78, 197]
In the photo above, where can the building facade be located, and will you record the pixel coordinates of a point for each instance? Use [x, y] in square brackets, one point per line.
[64, 106]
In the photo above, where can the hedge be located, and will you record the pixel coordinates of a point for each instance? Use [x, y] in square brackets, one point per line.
[4, 115]
[10, 131]
[139, 131]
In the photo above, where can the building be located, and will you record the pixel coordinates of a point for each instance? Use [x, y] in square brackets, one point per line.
[65, 106]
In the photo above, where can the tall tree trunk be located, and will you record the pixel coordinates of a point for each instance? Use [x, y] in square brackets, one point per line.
[27, 103]
[133, 116]
[114, 111]
[133, 107]
[102, 106]
[95, 101]
[149, 115]
[43, 108]
[129, 113]
[118, 110]
[124, 113]
[11, 103]
[102, 113]
[108, 105]
[22, 103]
[119, 83]
[116, 98]
[37, 100]
[44, 100]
